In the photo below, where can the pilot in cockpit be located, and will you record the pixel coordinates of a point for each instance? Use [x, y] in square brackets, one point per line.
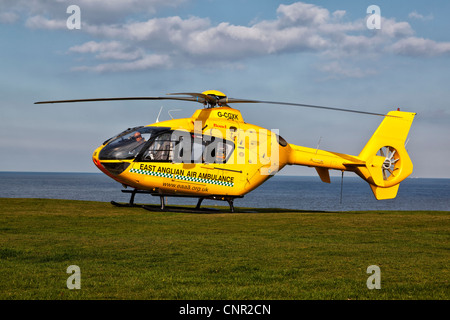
[138, 137]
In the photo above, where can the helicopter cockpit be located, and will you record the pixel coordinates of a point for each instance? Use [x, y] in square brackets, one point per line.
[160, 144]
[128, 144]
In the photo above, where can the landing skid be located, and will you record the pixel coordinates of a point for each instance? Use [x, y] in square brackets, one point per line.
[164, 207]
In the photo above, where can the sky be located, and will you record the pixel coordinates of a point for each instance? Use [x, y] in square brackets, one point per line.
[312, 52]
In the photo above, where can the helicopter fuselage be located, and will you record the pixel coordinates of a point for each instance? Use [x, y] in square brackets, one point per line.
[216, 154]
[212, 153]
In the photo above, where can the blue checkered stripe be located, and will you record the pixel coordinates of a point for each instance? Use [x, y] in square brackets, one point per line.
[184, 178]
[151, 173]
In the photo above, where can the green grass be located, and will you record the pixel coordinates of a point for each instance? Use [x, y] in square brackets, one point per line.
[132, 253]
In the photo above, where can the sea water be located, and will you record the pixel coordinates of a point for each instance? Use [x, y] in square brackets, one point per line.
[288, 192]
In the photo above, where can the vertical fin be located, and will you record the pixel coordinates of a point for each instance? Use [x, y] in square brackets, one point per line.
[385, 193]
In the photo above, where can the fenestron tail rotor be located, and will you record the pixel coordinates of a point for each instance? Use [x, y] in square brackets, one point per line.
[391, 163]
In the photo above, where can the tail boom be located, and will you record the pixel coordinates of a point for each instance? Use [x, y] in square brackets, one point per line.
[383, 162]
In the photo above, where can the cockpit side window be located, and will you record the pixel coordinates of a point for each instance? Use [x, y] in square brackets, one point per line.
[161, 149]
[184, 147]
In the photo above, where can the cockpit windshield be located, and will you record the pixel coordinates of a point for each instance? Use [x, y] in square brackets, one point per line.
[128, 144]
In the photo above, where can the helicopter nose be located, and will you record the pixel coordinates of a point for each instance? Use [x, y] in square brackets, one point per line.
[110, 168]
[97, 162]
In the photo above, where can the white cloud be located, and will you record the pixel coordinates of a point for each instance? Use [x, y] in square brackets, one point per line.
[92, 47]
[196, 38]
[144, 63]
[394, 29]
[298, 27]
[40, 22]
[418, 16]
[337, 70]
[339, 14]
[112, 50]
[303, 14]
[92, 11]
[413, 46]
[8, 17]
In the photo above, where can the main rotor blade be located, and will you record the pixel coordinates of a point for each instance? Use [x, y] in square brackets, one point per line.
[233, 100]
[115, 99]
[203, 98]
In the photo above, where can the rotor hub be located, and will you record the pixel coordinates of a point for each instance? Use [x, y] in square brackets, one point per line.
[387, 164]
[213, 98]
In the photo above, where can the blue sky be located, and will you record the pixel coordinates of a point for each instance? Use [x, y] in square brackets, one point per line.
[313, 52]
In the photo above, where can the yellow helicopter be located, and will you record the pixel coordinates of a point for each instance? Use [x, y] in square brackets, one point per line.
[216, 155]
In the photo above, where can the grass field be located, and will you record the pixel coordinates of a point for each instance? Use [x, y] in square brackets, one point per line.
[132, 253]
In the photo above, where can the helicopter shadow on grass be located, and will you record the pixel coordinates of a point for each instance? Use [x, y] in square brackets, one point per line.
[218, 209]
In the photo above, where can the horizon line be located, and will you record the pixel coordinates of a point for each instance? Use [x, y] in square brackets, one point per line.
[278, 174]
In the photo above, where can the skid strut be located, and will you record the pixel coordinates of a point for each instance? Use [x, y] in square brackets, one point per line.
[162, 198]
[228, 199]
[131, 202]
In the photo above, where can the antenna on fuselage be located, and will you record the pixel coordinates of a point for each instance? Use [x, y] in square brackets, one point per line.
[157, 118]
[318, 144]
[172, 110]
